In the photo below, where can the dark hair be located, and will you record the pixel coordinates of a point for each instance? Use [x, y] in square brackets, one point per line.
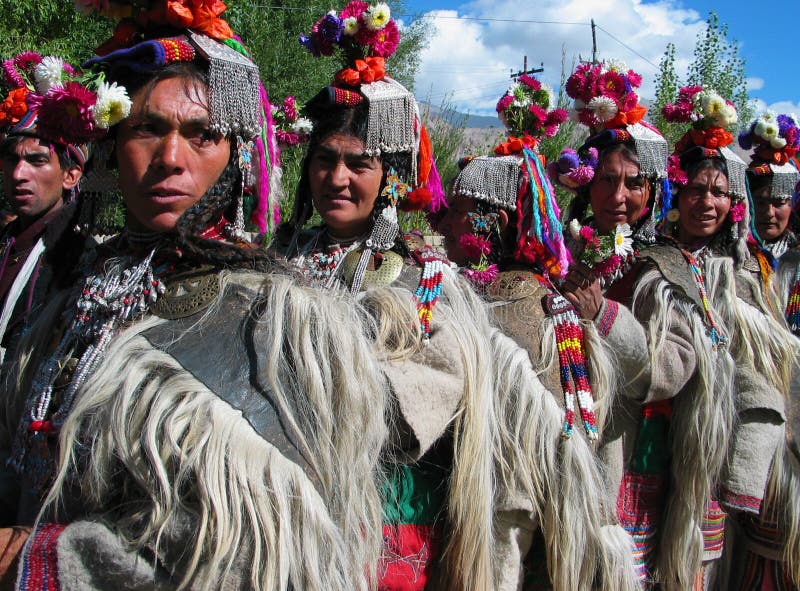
[503, 243]
[694, 167]
[11, 141]
[757, 182]
[134, 80]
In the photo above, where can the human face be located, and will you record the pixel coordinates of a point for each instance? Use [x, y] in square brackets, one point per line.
[344, 184]
[456, 224]
[33, 179]
[618, 194]
[168, 156]
[703, 205]
[772, 215]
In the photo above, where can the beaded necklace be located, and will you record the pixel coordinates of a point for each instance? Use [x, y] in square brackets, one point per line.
[793, 306]
[717, 338]
[109, 300]
[570, 342]
[320, 264]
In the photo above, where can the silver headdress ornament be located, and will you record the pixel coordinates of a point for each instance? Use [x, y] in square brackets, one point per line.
[652, 150]
[737, 180]
[784, 178]
[391, 121]
[492, 179]
[234, 96]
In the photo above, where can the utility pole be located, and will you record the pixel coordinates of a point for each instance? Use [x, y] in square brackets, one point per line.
[594, 43]
[525, 69]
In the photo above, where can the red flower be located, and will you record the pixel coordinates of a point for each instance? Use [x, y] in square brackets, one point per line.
[14, 107]
[504, 102]
[530, 82]
[556, 117]
[588, 118]
[370, 69]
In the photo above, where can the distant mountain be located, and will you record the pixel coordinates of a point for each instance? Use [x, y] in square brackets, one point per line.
[472, 121]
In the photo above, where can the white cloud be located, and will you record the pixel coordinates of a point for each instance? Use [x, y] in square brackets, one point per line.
[787, 107]
[754, 83]
[472, 59]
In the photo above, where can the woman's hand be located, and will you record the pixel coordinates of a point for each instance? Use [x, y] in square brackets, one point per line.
[582, 288]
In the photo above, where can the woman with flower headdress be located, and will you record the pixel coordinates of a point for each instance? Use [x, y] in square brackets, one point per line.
[709, 219]
[502, 228]
[762, 484]
[665, 445]
[215, 427]
[448, 474]
[772, 179]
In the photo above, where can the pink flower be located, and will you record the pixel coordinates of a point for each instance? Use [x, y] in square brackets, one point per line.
[287, 138]
[587, 233]
[504, 102]
[66, 111]
[475, 246]
[365, 36]
[634, 79]
[736, 213]
[608, 266]
[530, 82]
[675, 173]
[482, 277]
[538, 113]
[27, 59]
[629, 101]
[386, 40]
[289, 108]
[611, 84]
[355, 8]
[686, 94]
[556, 117]
[588, 118]
[10, 75]
[550, 130]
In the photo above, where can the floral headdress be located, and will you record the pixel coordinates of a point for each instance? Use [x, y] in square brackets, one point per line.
[526, 109]
[155, 33]
[606, 102]
[50, 99]
[605, 96]
[775, 140]
[290, 128]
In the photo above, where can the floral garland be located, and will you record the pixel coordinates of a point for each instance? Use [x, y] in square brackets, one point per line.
[290, 128]
[604, 95]
[572, 170]
[70, 107]
[366, 36]
[523, 109]
[604, 253]
[776, 137]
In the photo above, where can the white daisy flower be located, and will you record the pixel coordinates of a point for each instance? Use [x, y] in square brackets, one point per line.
[377, 16]
[777, 142]
[604, 107]
[350, 26]
[623, 243]
[112, 105]
[47, 74]
[303, 126]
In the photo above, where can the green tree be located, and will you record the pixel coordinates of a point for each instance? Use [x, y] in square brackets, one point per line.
[716, 64]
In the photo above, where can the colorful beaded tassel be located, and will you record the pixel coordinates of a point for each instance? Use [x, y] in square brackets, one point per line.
[429, 290]
[793, 307]
[570, 341]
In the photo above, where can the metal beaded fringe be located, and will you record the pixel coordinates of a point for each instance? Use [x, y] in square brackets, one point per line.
[492, 179]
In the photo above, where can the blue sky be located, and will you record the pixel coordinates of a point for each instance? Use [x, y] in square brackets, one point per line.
[472, 58]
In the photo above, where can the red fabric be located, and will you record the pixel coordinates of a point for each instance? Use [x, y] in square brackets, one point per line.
[409, 552]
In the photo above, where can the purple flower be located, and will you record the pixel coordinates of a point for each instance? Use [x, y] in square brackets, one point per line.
[331, 28]
[568, 160]
[745, 140]
[309, 44]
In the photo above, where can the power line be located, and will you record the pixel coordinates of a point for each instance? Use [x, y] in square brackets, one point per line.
[628, 47]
